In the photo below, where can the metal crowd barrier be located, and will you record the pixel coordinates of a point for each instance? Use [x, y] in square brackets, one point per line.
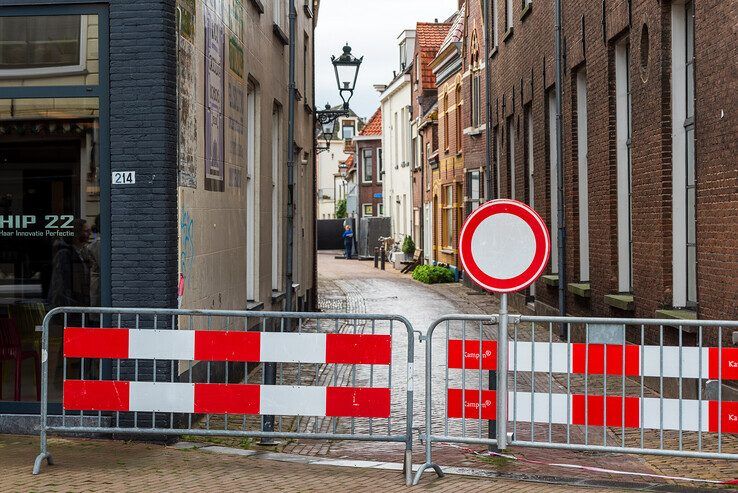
[128, 371]
[611, 385]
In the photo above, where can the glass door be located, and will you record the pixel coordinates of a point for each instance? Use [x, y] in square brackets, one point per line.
[53, 210]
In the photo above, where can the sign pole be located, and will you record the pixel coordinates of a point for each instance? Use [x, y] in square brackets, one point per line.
[501, 394]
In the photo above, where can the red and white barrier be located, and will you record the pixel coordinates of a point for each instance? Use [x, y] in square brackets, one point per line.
[596, 410]
[206, 345]
[213, 398]
[597, 359]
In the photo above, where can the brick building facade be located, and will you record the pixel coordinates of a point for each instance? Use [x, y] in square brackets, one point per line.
[430, 36]
[448, 175]
[368, 162]
[649, 169]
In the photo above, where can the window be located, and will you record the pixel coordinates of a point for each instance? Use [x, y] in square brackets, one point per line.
[403, 55]
[497, 144]
[493, 18]
[428, 169]
[417, 68]
[446, 138]
[40, 42]
[473, 190]
[529, 174]
[623, 153]
[511, 157]
[553, 162]
[508, 14]
[684, 185]
[305, 63]
[367, 165]
[582, 171]
[279, 12]
[347, 130]
[367, 210]
[380, 165]
[476, 100]
[276, 198]
[380, 209]
[252, 140]
[458, 118]
[448, 217]
[529, 167]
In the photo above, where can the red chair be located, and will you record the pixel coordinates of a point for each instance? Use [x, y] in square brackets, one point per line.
[11, 349]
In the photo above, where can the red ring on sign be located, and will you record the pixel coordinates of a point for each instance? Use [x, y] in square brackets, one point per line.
[540, 258]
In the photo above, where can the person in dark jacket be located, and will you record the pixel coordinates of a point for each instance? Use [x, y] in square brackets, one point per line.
[348, 241]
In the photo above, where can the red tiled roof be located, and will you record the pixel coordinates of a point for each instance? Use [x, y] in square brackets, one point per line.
[429, 36]
[349, 162]
[374, 125]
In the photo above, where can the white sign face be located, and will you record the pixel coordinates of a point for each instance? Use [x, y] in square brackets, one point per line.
[504, 246]
[124, 177]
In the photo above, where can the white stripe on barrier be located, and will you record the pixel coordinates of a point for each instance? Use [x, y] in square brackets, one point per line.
[290, 400]
[161, 344]
[525, 355]
[652, 414]
[690, 361]
[293, 348]
[519, 408]
[162, 396]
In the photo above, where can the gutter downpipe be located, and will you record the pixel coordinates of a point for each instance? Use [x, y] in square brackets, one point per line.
[291, 161]
[560, 170]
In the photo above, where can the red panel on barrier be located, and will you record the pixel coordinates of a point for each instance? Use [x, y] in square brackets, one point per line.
[471, 354]
[358, 349]
[96, 395]
[95, 343]
[471, 404]
[729, 363]
[593, 412]
[217, 345]
[725, 417]
[357, 402]
[220, 398]
[596, 361]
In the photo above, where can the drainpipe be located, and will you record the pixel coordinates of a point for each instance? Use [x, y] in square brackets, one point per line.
[488, 106]
[291, 161]
[560, 170]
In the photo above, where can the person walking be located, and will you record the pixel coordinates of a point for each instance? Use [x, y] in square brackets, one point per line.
[348, 241]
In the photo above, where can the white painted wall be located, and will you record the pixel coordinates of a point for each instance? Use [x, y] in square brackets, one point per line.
[327, 168]
[397, 149]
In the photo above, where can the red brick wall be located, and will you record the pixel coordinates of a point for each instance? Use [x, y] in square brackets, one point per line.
[367, 190]
[523, 70]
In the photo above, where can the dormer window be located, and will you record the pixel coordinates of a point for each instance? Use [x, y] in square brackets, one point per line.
[348, 129]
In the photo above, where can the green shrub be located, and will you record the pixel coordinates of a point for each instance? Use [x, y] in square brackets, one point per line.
[433, 274]
[408, 246]
[341, 209]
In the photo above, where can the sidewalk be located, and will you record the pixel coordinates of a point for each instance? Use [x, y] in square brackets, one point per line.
[115, 466]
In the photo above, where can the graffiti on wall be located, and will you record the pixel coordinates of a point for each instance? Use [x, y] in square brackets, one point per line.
[186, 247]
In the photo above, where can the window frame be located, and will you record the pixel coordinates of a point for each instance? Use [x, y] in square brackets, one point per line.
[367, 178]
[57, 70]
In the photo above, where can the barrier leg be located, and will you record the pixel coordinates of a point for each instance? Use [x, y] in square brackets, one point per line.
[44, 452]
[428, 413]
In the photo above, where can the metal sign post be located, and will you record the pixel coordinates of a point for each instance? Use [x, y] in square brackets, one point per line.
[504, 246]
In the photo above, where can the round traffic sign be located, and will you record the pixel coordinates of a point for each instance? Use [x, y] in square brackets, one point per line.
[504, 246]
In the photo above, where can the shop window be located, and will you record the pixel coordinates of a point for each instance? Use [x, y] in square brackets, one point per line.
[48, 46]
[50, 226]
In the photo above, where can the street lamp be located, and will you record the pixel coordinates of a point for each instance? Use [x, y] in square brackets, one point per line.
[346, 67]
[327, 120]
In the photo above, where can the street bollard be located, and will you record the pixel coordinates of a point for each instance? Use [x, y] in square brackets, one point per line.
[376, 257]
[382, 256]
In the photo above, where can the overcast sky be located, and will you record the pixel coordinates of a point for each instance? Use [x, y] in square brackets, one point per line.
[371, 27]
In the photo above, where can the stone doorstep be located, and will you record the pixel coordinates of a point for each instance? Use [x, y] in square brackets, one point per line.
[623, 302]
[580, 289]
[550, 279]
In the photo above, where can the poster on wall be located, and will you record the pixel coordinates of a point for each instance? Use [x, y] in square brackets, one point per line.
[214, 114]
